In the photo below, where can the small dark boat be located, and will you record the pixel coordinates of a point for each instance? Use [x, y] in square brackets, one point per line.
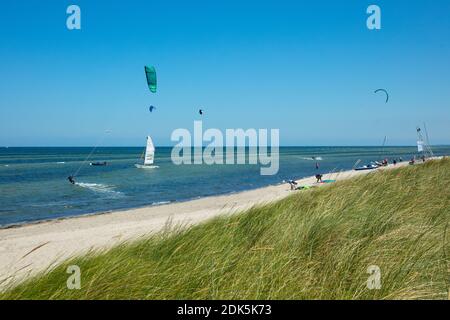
[98, 163]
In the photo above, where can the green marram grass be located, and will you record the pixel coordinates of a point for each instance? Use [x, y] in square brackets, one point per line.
[315, 244]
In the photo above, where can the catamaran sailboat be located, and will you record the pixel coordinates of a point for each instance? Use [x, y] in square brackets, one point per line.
[149, 156]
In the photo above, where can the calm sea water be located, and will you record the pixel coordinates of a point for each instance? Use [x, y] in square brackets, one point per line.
[34, 186]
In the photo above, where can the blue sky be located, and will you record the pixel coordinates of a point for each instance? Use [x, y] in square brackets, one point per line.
[308, 68]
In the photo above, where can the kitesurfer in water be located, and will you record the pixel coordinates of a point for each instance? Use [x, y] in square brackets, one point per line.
[71, 179]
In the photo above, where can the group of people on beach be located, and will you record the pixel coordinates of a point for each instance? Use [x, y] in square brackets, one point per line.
[413, 159]
[384, 162]
[395, 161]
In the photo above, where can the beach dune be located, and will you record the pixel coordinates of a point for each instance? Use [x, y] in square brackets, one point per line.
[28, 249]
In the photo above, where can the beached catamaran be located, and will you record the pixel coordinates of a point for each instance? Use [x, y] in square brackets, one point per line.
[423, 145]
[148, 155]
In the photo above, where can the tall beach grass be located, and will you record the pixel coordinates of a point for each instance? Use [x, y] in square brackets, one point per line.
[315, 244]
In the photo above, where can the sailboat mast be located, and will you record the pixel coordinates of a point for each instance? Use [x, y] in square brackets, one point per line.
[382, 147]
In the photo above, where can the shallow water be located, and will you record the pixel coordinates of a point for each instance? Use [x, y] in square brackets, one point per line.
[34, 186]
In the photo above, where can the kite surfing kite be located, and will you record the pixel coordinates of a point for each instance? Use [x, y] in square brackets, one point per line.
[150, 74]
[200, 111]
[387, 95]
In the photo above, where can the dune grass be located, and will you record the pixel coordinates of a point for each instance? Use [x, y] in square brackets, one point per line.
[315, 244]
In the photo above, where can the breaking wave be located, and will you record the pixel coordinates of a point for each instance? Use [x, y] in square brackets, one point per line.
[100, 188]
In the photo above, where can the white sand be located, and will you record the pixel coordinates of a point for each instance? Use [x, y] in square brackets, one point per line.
[31, 248]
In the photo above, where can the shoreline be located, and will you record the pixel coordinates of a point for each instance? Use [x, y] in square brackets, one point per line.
[27, 249]
[156, 204]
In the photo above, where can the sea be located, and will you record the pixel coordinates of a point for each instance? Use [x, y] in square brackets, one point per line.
[34, 185]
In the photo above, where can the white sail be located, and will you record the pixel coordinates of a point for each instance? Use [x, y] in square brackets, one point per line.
[149, 156]
[419, 145]
[149, 152]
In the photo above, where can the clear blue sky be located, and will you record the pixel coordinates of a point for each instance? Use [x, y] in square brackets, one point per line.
[308, 68]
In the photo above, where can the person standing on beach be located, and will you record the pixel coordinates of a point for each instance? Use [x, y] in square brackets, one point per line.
[319, 178]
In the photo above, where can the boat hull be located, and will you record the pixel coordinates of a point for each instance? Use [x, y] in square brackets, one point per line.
[365, 168]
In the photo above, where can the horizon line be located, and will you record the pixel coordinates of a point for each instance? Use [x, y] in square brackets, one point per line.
[284, 146]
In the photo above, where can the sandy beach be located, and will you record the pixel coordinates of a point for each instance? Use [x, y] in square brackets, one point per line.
[28, 249]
